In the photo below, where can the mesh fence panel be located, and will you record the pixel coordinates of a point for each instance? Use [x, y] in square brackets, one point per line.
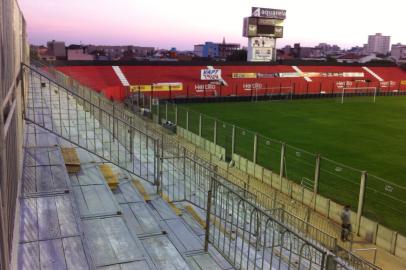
[385, 202]
[224, 131]
[171, 112]
[300, 166]
[182, 117]
[244, 142]
[339, 182]
[194, 122]
[269, 153]
[208, 127]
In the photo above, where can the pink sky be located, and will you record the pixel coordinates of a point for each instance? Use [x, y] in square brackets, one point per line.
[181, 23]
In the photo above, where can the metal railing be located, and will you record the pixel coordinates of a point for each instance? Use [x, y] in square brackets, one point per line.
[172, 155]
[65, 113]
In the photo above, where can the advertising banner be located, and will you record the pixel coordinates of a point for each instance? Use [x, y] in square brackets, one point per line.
[403, 82]
[353, 74]
[210, 74]
[157, 87]
[244, 75]
[268, 13]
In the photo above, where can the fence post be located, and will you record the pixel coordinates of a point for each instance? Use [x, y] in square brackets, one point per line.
[166, 111]
[282, 165]
[316, 180]
[254, 157]
[232, 141]
[158, 112]
[200, 125]
[176, 114]
[207, 229]
[215, 133]
[361, 199]
[187, 120]
[114, 126]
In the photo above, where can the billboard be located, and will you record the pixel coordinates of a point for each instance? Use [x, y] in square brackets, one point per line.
[210, 74]
[268, 13]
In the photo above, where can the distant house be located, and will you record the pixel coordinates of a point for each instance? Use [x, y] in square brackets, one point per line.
[216, 50]
[356, 58]
[57, 49]
[78, 53]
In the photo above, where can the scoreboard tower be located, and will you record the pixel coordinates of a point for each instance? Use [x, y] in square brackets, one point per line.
[262, 29]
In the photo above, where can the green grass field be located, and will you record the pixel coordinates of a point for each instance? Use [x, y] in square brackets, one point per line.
[359, 133]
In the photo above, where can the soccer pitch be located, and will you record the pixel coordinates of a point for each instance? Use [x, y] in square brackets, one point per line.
[359, 133]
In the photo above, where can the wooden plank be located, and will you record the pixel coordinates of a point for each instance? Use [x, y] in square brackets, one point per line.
[95, 199]
[59, 177]
[29, 181]
[109, 176]
[164, 254]
[71, 159]
[74, 253]
[89, 175]
[28, 256]
[135, 265]
[129, 193]
[121, 241]
[195, 216]
[52, 255]
[48, 224]
[164, 211]
[203, 261]
[174, 208]
[28, 220]
[137, 184]
[67, 222]
[43, 178]
[189, 241]
[100, 247]
[148, 224]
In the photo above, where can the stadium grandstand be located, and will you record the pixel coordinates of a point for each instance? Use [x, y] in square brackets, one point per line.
[87, 183]
[185, 82]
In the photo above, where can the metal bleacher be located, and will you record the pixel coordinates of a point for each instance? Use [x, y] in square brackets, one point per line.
[165, 209]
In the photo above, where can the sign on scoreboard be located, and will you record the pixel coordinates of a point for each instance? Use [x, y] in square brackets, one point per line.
[210, 74]
[268, 13]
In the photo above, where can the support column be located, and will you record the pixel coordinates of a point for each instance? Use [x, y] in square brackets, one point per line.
[282, 164]
[316, 181]
[361, 199]
[166, 111]
[254, 154]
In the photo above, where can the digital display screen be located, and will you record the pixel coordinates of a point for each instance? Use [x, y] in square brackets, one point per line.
[265, 29]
